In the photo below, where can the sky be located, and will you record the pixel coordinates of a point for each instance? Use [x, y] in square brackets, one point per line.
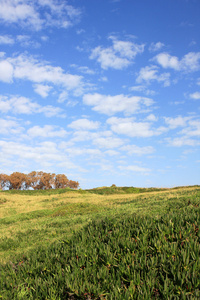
[103, 91]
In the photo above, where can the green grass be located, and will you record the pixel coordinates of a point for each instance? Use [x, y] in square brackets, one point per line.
[40, 192]
[83, 245]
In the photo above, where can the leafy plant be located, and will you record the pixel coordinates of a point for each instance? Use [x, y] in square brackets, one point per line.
[126, 257]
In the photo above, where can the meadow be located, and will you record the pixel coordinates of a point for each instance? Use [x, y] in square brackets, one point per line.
[104, 243]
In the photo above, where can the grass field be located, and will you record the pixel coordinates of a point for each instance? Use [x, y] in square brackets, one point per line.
[106, 243]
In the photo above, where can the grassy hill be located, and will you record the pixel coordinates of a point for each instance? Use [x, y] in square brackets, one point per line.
[104, 243]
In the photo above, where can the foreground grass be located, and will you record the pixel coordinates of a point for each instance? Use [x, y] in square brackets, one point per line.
[140, 246]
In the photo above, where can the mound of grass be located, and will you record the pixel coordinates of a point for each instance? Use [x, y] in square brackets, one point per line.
[121, 190]
[126, 257]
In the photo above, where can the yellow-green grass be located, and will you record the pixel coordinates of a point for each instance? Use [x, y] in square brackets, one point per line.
[30, 220]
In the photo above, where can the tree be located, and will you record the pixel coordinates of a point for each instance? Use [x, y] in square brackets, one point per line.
[16, 180]
[73, 184]
[47, 180]
[61, 181]
[4, 181]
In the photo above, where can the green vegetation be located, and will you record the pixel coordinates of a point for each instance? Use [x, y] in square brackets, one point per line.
[88, 245]
[122, 190]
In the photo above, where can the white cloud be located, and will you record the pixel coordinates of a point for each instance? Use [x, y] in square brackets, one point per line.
[156, 46]
[189, 62]
[182, 141]
[6, 39]
[48, 131]
[136, 169]
[38, 14]
[76, 151]
[42, 90]
[108, 142]
[119, 56]
[84, 124]
[176, 122]
[108, 59]
[188, 134]
[151, 118]
[142, 88]
[83, 69]
[23, 105]
[63, 97]
[110, 105]
[129, 127]
[104, 79]
[83, 135]
[20, 12]
[28, 68]
[41, 155]
[195, 96]
[6, 71]
[39, 72]
[9, 126]
[150, 73]
[138, 88]
[193, 129]
[111, 152]
[133, 149]
[26, 41]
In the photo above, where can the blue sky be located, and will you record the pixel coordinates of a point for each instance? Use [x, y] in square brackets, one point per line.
[104, 91]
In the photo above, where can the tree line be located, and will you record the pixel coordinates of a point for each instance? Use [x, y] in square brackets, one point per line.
[36, 180]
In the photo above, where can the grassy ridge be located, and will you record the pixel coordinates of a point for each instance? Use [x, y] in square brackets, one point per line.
[84, 246]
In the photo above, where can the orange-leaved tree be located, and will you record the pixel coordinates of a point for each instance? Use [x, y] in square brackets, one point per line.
[17, 179]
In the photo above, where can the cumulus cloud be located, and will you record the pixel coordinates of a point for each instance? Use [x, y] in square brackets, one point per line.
[118, 56]
[189, 135]
[48, 131]
[27, 41]
[189, 62]
[195, 96]
[84, 124]
[9, 126]
[136, 169]
[41, 155]
[108, 142]
[76, 151]
[150, 73]
[42, 90]
[134, 149]
[23, 105]
[83, 69]
[38, 14]
[156, 46]
[6, 71]
[111, 105]
[39, 72]
[176, 122]
[182, 141]
[6, 39]
[193, 129]
[129, 127]
[142, 88]
[151, 118]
